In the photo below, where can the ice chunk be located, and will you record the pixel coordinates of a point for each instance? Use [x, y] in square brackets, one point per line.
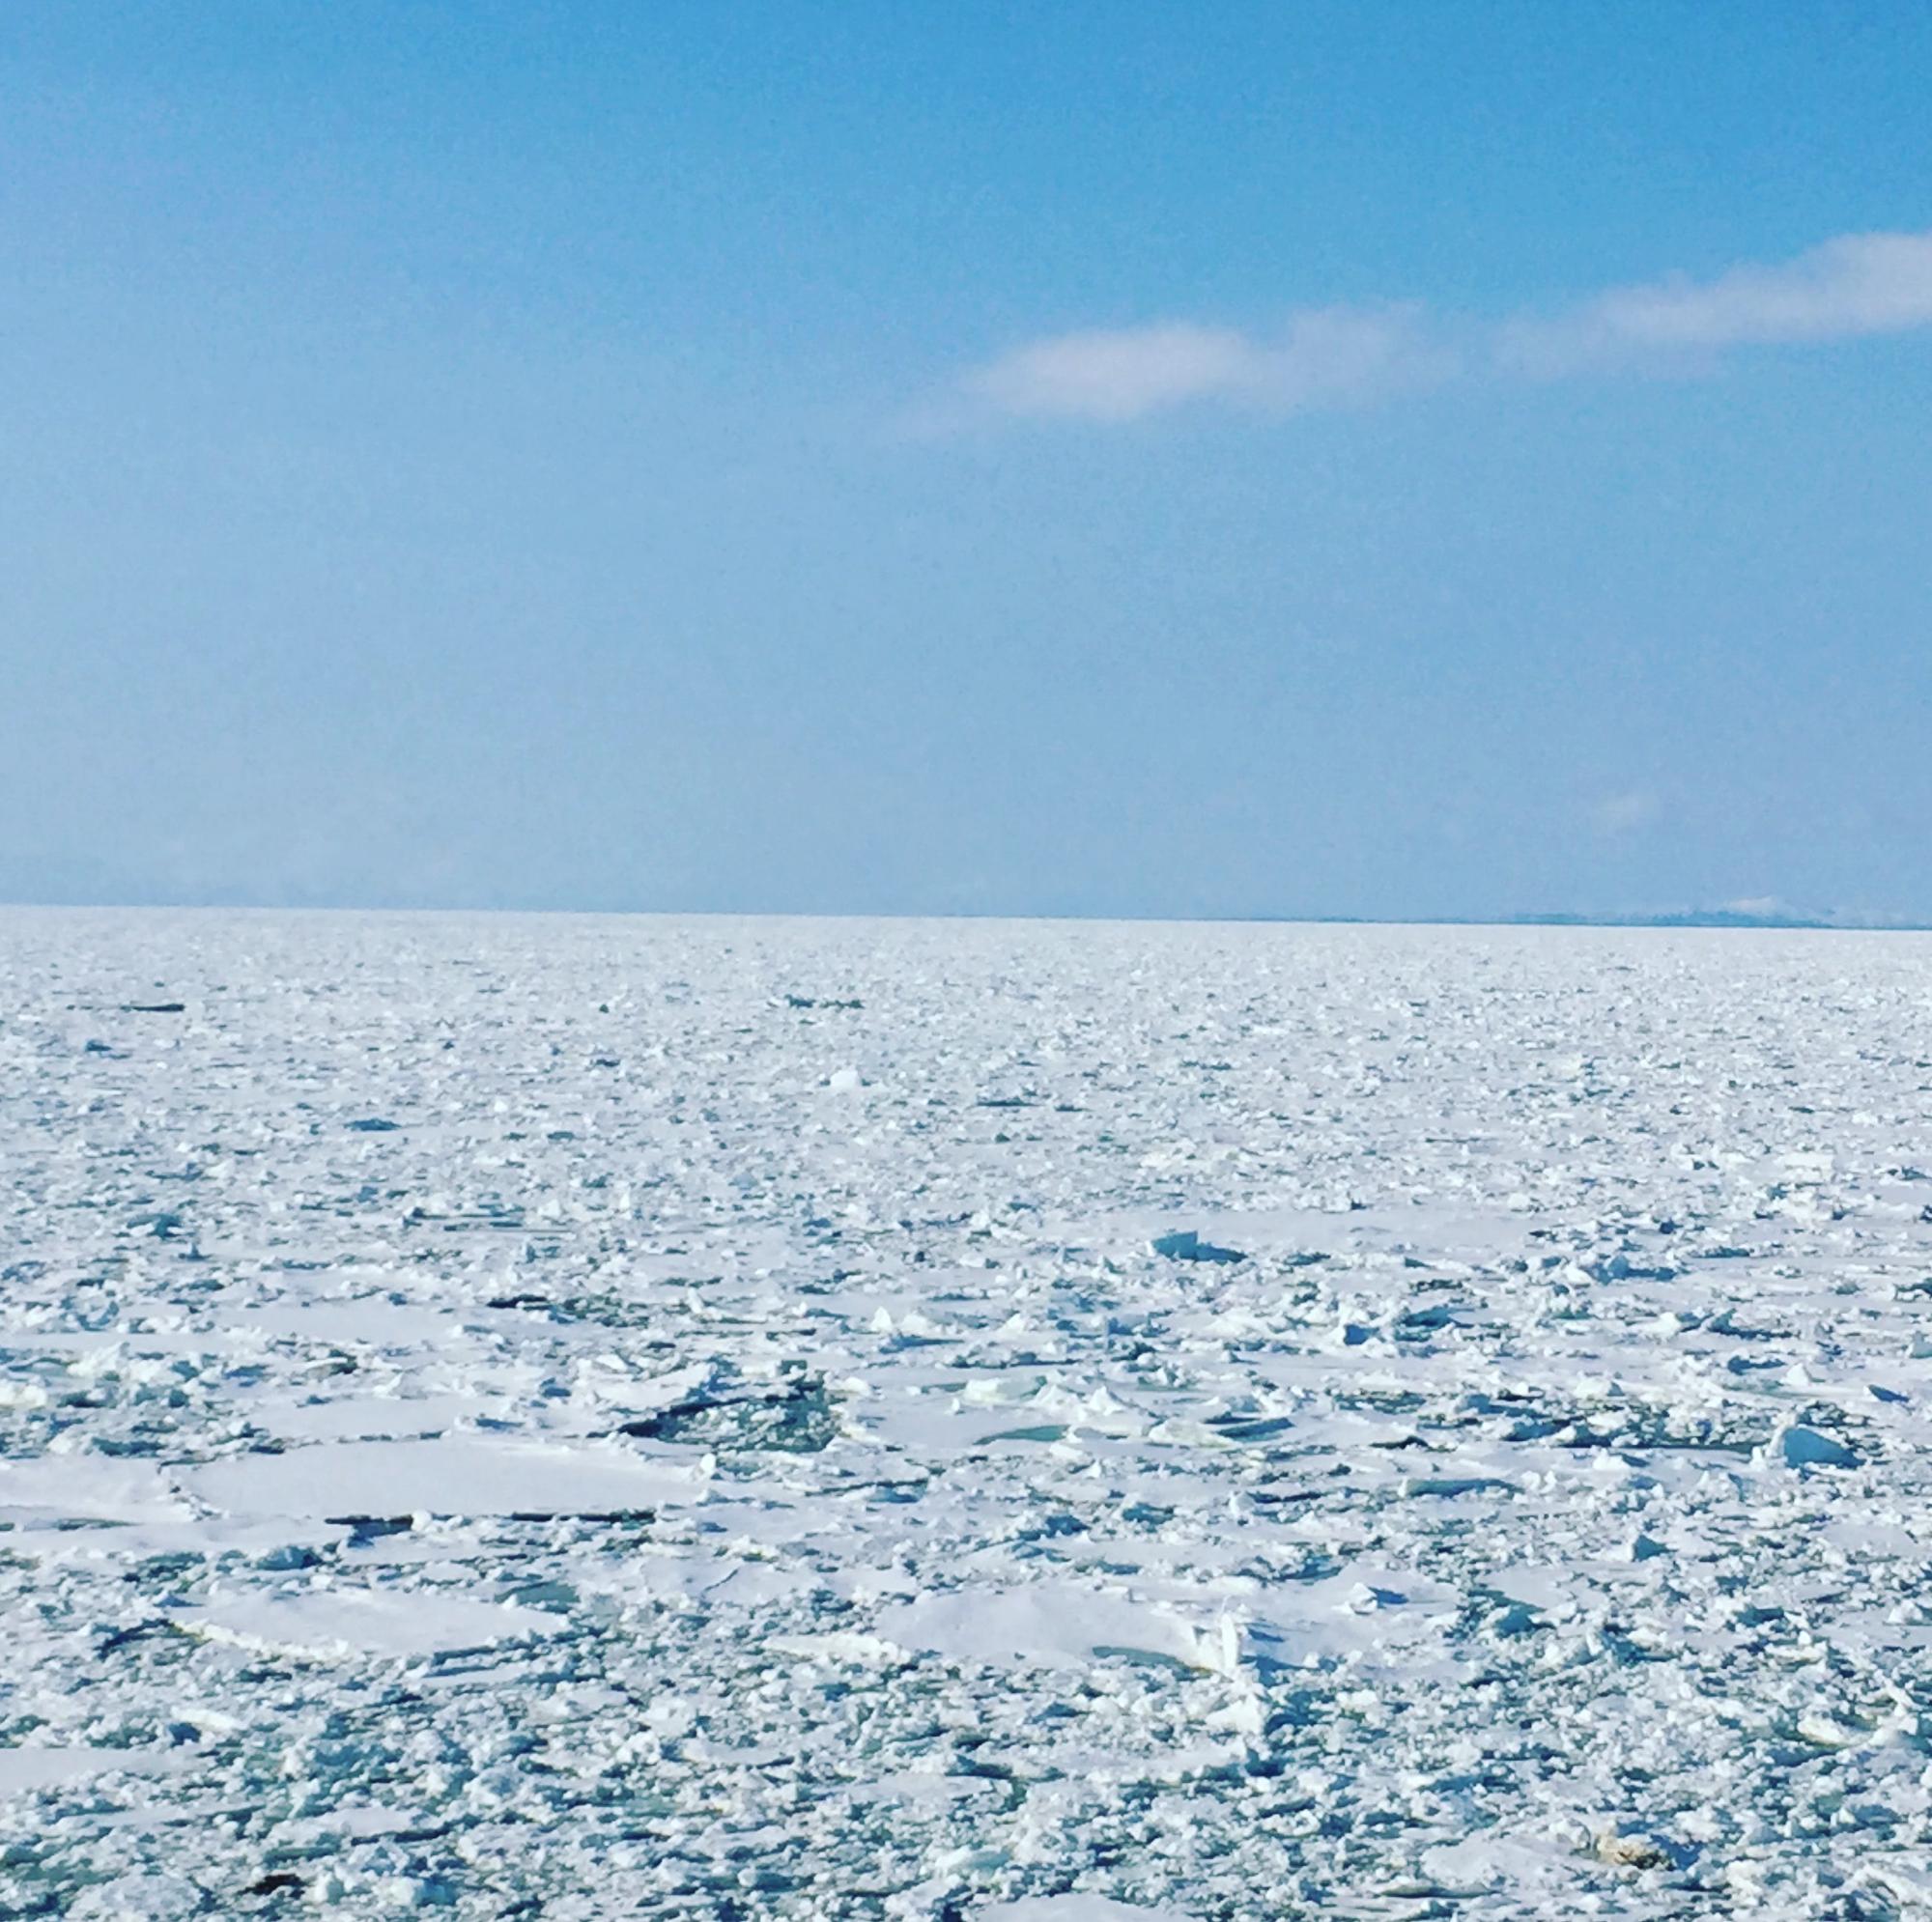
[1055, 1625]
[321, 1624]
[1074, 1908]
[451, 1476]
[1185, 1245]
[28, 1771]
[1806, 1448]
[96, 1487]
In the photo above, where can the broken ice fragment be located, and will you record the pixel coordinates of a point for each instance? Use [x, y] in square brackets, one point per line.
[1822, 1730]
[1185, 1245]
[1806, 1448]
[1632, 1851]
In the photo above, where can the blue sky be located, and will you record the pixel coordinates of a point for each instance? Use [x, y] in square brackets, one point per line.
[1403, 460]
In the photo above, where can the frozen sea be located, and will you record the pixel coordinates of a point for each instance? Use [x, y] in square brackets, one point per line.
[585, 1418]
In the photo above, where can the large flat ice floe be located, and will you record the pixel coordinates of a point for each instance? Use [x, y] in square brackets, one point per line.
[597, 1418]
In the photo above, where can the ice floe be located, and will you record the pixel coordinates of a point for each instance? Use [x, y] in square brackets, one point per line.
[598, 1417]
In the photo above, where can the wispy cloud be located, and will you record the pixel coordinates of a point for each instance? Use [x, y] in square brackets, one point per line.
[1625, 814]
[1857, 284]
[1854, 286]
[1323, 357]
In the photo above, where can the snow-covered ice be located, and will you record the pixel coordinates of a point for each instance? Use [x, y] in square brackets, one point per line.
[603, 1417]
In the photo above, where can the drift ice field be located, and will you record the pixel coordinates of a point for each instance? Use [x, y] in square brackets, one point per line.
[588, 1417]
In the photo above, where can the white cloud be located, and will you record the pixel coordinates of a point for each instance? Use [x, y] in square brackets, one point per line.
[1327, 356]
[1853, 286]
[1625, 812]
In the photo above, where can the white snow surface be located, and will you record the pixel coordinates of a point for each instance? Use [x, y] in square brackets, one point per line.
[596, 1417]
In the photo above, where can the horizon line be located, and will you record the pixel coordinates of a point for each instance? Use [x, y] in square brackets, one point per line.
[1688, 920]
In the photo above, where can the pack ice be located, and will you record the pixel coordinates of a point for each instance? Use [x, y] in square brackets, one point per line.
[607, 1417]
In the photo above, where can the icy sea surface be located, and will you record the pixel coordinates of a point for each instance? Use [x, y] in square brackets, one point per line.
[591, 1418]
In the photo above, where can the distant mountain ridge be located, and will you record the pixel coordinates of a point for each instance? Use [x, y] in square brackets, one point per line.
[1717, 918]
